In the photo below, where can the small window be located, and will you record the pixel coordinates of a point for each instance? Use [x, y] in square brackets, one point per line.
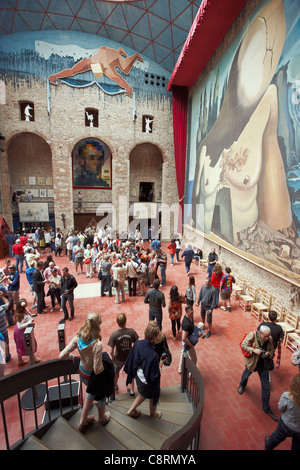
[91, 117]
[27, 110]
[147, 124]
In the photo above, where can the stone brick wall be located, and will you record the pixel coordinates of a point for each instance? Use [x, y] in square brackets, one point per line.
[65, 127]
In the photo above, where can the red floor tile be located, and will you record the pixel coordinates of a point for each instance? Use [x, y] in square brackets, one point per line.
[230, 421]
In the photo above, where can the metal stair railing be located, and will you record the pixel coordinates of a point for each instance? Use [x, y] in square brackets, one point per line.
[14, 384]
[188, 438]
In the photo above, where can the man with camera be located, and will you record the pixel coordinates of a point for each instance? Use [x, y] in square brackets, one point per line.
[259, 353]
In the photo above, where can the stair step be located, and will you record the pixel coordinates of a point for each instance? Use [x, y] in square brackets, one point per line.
[171, 393]
[135, 427]
[33, 443]
[97, 434]
[174, 413]
[156, 425]
[184, 408]
[62, 436]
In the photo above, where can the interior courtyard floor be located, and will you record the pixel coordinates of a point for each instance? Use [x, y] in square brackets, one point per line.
[230, 421]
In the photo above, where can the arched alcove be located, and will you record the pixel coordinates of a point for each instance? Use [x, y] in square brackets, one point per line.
[30, 172]
[146, 166]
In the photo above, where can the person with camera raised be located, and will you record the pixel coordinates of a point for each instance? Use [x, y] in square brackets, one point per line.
[259, 353]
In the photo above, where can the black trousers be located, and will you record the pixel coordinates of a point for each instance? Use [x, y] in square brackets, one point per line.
[40, 304]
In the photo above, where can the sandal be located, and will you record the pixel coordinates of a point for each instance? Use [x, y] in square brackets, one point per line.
[134, 413]
[106, 419]
[82, 427]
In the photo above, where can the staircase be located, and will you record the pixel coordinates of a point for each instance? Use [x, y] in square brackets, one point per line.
[122, 432]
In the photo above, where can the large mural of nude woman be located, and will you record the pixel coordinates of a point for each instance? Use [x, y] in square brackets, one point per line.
[240, 178]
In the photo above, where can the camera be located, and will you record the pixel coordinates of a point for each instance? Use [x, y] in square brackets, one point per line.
[163, 356]
[264, 355]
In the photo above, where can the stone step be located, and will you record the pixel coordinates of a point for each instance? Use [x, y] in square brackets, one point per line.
[33, 443]
[63, 436]
[97, 434]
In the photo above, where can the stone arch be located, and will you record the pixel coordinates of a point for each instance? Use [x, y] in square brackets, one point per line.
[146, 167]
[29, 163]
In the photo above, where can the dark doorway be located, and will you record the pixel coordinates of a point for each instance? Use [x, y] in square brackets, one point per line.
[146, 192]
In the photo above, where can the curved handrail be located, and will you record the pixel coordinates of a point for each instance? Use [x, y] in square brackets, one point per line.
[189, 435]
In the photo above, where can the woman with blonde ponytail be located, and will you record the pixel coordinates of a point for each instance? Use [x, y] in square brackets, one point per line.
[88, 343]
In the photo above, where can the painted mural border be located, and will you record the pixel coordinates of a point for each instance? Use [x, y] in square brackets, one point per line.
[268, 267]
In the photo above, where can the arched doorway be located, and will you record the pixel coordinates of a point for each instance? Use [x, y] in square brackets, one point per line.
[145, 191]
[30, 178]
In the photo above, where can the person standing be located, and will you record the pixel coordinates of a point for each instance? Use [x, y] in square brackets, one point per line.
[38, 287]
[156, 300]
[121, 342]
[88, 343]
[13, 282]
[190, 292]
[211, 261]
[54, 288]
[175, 309]
[289, 422]
[259, 349]
[18, 251]
[152, 268]
[10, 238]
[188, 254]
[119, 275]
[68, 284]
[226, 288]
[78, 251]
[143, 365]
[216, 280]
[132, 268]
[187, 330]
[162, 262]
[105, 267]
[172, 251]
[207, 297]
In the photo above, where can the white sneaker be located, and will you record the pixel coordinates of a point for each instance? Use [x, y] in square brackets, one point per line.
[51, 310]
[224, 308]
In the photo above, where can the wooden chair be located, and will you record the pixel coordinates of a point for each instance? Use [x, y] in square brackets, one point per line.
[278, 308]
[246, 299]
[292, 340]
[238, 289]
[262, 305]
[290, 324]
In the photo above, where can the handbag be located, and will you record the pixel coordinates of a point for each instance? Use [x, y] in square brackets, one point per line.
[167, 353]
[268, 363]
[100, 275]
[114, 283]
[87, 261]
[246, 353]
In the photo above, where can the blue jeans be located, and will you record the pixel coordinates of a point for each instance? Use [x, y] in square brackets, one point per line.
[19, 261]
[187, 267]
[163, 275]
[67, 298]
[172, 258]
[156, 316]
[265, 385]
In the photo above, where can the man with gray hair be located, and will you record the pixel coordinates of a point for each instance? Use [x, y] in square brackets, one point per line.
[258, 354]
